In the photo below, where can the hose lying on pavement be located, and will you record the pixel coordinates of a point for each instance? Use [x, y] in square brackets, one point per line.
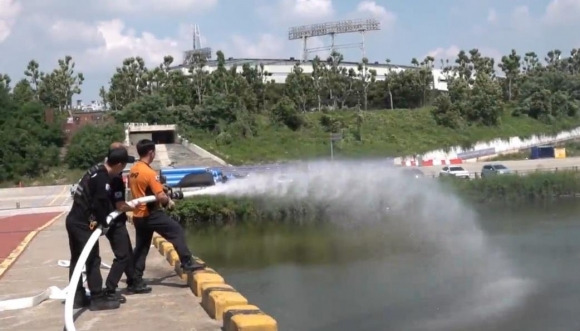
[51, 293]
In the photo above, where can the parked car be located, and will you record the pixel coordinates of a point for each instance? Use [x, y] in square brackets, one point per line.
[456, 171]
[494, 169]
[413, 172]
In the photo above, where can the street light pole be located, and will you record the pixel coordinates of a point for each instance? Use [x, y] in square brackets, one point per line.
[334, 137]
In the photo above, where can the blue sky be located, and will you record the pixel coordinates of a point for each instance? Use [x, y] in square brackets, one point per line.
[100, 33]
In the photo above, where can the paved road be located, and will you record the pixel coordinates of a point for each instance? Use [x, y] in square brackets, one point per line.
[13, 229]
[54, 197]
[171, 305]
[521, 165]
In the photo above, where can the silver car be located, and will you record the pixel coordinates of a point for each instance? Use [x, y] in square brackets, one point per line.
[494, 169]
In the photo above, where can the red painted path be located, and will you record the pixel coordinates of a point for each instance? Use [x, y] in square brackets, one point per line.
[13, 230]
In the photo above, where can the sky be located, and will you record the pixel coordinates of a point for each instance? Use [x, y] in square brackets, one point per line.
[99, 34]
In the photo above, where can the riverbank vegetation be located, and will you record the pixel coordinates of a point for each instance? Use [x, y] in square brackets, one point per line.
[241, 114]
[502, 190]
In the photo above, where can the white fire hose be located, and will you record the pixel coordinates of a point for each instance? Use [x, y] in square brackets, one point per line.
[70, 295]
[53, 293]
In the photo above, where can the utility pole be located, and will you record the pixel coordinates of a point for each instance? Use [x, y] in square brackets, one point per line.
[334, 137]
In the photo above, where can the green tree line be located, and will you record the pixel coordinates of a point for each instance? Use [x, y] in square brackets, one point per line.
[224, 100]
[32, 141]
[543, 90]
[228, 101]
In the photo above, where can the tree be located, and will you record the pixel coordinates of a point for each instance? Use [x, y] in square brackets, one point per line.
[23, 92]
[128, 83]
[317, 78]
[510, 65]
[199, 77]
[34, 76]
[285, 112]
[66, 83]
[366, 76]
[299, 87]
[89, 145]
[388, 82]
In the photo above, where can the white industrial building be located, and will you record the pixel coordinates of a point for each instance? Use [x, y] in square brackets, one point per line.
[280, 68]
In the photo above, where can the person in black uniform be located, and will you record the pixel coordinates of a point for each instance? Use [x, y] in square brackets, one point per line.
[91, 206]
[120, 241]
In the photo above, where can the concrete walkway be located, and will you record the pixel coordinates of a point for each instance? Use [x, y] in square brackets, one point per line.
[171, 305]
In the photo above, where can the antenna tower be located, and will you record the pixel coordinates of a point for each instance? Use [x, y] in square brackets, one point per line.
[190, 56]
[196, 37]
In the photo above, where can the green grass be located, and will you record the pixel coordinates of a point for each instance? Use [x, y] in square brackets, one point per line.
[384, 133]
[55, 176]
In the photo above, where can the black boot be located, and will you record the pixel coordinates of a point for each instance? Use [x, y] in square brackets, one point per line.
[100, 301]
[191, 265]
[138, 286]
[81, 300]
[112, 294]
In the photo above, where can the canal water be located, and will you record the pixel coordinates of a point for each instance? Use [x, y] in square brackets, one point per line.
[315, 277]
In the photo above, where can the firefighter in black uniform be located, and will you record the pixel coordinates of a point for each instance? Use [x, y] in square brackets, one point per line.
[120, 241]
[91, 206]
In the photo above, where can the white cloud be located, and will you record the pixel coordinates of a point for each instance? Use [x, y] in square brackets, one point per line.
[120, 42]
[9, 11]
[560, 12]
[309, 8]
[492, 16]
[296, 11]
[66, 31]
[155, 7]
[267, 45]
[386, 17]
[521, 18]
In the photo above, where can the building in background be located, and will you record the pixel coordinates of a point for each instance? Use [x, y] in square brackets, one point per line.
[70, 125]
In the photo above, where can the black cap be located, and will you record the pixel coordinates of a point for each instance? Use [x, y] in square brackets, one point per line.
[119, 155]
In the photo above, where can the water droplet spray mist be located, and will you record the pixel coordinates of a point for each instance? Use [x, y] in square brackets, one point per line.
[419, 212]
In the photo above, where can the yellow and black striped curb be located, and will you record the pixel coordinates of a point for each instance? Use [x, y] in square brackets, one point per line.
[220, 300]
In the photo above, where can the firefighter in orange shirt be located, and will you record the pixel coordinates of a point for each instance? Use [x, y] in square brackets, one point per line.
[151, 217]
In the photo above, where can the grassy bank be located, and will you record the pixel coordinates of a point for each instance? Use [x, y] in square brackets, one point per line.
[506, 190]
[514, 189]
[382, 133]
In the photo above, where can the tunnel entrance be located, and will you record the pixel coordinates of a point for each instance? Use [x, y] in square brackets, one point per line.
[159, 137]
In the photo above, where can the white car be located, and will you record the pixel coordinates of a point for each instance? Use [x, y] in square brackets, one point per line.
[454, 171]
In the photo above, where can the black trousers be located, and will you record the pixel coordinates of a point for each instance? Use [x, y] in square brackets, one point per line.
[78, 235]
[157, 221]
[123, 263]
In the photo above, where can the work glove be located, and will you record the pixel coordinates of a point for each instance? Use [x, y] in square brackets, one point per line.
[166, 189]
[170, 205]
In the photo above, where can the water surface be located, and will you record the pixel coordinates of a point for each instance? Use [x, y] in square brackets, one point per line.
[371, 278]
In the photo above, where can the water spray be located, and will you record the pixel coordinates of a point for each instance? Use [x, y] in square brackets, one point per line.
[415, 212]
